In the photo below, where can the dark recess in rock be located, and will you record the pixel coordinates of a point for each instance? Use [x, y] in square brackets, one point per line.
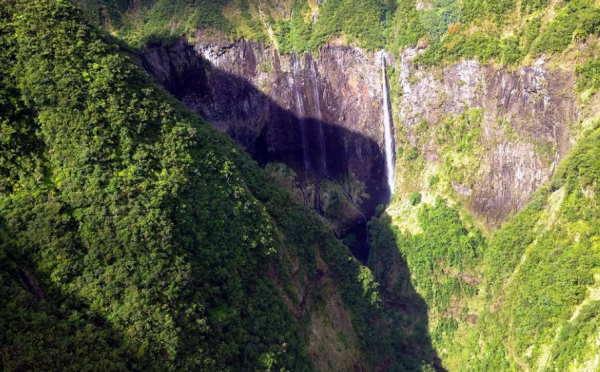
[301, 135]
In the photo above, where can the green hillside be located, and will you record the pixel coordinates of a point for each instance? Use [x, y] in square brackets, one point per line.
[506, 31]
[135, 236]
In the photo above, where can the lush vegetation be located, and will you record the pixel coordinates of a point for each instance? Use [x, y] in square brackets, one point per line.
[295, 24]
[442, 255]
[134, 236]
[358, 20]
[542, 269]
[142, 21]
[589, 76]
[500, 31]
[458, 141]
[526, 298]
[480, 31]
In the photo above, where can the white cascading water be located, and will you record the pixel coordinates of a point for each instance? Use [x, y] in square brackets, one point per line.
[387, 123]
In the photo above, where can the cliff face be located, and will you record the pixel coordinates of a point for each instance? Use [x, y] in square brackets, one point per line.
[322, 117]
[521, 132]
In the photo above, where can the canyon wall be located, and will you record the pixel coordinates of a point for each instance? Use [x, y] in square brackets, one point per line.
[314, 122]
[481, 135]
[321, 116]
[523, 129]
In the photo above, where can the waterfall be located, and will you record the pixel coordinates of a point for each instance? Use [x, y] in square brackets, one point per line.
[318, 116]
[387, 122]
[300, 106]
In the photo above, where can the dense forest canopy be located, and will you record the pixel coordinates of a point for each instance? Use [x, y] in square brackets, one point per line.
[505, 31]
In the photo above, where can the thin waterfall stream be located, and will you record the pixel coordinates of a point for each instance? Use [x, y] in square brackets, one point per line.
[388, 134]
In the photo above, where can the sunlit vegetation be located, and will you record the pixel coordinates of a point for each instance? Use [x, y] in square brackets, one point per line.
[134, 235]
[362, 21]
[541, 278]
[589, 76]
[442, 255]
[575, 22]
[457, 140]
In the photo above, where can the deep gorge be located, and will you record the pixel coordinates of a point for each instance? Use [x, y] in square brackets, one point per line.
[299, 185]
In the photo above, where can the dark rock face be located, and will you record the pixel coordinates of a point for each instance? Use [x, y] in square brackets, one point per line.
[322, 117]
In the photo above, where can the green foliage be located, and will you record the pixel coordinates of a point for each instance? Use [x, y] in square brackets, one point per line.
[414, 198]
[110, 225]
[573, 340]
[431, 273]
[451, 40]
[159, 21]
[365, 21]
[477, 10]
[530, 6]
[304, 230]
[456, 46]
[531, 33]
[575, 21]
[432, 180]
[375, 24]
[147, 230]
[359, 20]
[540, 274]
[446, 243]
[408, 25]
[589, 76]
[38, 335]
[508, 245]
[406, 315]
[444, 14]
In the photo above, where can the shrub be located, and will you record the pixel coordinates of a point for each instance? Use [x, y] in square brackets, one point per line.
[414, 198]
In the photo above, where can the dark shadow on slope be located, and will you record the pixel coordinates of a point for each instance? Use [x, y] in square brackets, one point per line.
[315, 150]
[297, 135]
[406, 311]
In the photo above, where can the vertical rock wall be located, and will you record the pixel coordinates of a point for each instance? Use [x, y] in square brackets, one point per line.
[527, 115]
[322, 116]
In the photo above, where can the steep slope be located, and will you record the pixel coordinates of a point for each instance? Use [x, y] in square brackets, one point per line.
[488, 99]
[527, 299]
[135, 236]
[539, 302]
[314, 123]
[543, 308]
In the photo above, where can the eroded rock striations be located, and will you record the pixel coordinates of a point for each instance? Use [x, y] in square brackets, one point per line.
[527, 114]
[322, 117]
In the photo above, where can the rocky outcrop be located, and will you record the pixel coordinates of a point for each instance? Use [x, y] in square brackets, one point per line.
[527, 114]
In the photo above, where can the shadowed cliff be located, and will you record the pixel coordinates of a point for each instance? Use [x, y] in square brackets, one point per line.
[290, 128]
[317, 151]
